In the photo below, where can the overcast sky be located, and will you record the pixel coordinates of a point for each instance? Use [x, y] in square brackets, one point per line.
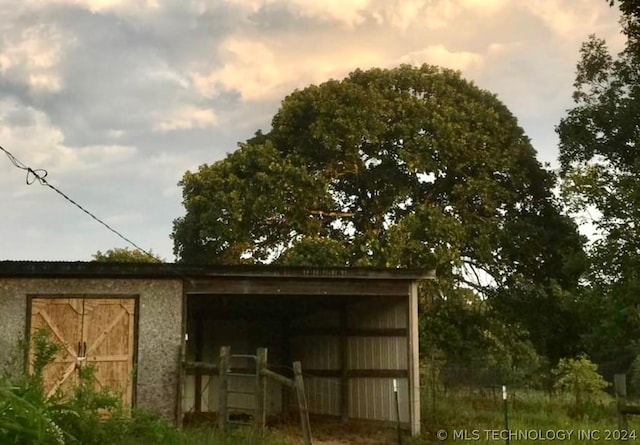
[116, 99]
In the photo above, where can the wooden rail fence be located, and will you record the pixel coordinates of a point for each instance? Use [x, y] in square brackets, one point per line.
[224, 370]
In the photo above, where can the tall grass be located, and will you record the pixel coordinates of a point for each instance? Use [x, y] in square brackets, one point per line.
[470, 416]
[89, 416]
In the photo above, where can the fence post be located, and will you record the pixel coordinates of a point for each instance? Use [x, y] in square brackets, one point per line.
[261, 384]
[302, 403]
[620, 386]
[223, 366]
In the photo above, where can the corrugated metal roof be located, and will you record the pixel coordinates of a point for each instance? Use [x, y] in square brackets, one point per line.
[60, 269]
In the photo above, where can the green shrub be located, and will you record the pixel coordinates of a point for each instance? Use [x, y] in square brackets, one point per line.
[579, 378]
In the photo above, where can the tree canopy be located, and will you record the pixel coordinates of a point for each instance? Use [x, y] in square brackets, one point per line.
[126, 255]
[404, 167]
[600, 166]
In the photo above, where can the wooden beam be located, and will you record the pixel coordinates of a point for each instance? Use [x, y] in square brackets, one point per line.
[203, 366]
[358, 373]
[278, 378]
[298, 287]
[362, 332]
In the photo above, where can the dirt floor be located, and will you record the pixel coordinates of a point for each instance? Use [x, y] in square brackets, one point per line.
[325, 430]
[331, 431]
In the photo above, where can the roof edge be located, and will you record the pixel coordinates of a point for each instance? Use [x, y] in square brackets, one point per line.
[94, 269]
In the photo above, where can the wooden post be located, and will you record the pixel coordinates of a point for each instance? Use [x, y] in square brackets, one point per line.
[397, 406]
[302, 403]
[344, 361]
[620, 386]
[198, 345]
[223, 366]
[286, 358]
[413, 353]
[261, 387]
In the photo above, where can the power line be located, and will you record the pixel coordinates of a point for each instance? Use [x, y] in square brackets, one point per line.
[40, 175]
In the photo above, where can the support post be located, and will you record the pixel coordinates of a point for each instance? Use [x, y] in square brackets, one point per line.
[344, 360]
[261, 387]
[223, 397]
[414, 359]
[620, 386]
[199, 341]
[302, 403]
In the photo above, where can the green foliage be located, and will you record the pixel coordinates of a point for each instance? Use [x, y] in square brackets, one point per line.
[405, 167]
[44, 351]
[126, 255]
[600, 164]
[497, 353]
[579, 377]
[91, 416]
[634, 373]
[468, 409]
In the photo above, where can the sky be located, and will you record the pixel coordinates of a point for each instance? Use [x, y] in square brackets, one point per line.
[117, 99]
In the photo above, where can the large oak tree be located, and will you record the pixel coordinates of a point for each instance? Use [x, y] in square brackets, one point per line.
[405, 167]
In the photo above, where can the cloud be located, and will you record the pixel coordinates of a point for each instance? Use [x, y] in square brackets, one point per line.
[34, 54]
[440, 55]
[569, 20]
[186, 118]
[347, 13]
[268, 70]
[103, 6]
[117, 98]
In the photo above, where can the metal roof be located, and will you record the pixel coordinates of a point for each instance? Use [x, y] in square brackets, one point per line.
[95, 269]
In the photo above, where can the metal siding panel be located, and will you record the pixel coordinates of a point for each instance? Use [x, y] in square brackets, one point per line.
[377, 353]
[379, 313]
[320, 319]
[212, 392]
[323, 395]
[316, 352]
[373, 399]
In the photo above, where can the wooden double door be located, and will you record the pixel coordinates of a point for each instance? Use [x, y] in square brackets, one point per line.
[99, 332]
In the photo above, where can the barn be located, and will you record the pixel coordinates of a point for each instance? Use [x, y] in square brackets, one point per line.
[150, 330]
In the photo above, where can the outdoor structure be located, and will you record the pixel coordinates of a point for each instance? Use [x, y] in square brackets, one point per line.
[146, 327]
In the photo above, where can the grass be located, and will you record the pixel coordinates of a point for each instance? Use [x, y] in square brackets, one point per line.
[88, 416]
[463, 416]
[534, 417]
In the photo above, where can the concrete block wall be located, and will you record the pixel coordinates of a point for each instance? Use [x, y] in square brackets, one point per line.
[159, 336]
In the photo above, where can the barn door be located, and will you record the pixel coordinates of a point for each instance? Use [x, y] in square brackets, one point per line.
[95, 331]
[62, 317]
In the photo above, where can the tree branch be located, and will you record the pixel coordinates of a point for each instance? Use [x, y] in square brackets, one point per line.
[330, 214]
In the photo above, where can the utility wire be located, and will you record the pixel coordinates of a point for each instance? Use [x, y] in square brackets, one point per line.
[40, 174]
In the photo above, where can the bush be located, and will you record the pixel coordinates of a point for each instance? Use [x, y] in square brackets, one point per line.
[579, 377]
[88, 416]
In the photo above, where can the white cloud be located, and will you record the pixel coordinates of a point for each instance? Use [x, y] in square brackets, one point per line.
[185, 118]
[440, 55]
[267, 70]
[35, 54]
[570, 20]
[484, 7]
[348, 13]
[101, 6]
[40, 145]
